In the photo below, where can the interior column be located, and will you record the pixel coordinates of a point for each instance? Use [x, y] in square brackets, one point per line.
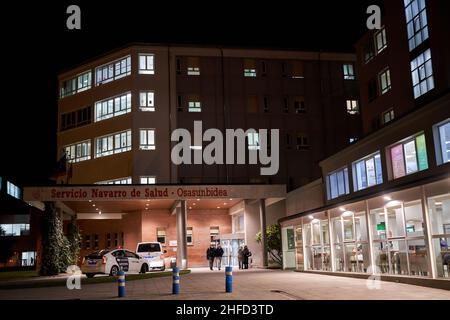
[181, 235]
[262, 219]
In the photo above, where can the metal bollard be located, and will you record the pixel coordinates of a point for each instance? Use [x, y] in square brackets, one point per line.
[228, 279]
[176, 280]
[121, 283]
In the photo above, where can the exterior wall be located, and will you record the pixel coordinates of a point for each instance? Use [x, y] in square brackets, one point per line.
[305, 198]
[397, 57]
[422, 120]
[223, 92]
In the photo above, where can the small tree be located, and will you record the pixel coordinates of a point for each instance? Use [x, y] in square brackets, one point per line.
[52, 240]
[73, 237]
[274, 244]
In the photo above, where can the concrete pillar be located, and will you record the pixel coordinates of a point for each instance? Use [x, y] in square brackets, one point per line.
[262, 219]
[181, 235]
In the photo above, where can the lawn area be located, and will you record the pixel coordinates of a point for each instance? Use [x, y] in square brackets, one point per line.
[39, 283]
[9, 275]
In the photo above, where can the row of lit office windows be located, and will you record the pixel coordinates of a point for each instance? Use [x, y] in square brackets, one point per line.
[121, 142]
[404, 158]
[121, 68]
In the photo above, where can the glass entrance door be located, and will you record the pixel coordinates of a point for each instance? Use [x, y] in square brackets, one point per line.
[230, 251]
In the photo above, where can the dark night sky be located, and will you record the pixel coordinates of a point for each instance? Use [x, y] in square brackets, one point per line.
[36, 46]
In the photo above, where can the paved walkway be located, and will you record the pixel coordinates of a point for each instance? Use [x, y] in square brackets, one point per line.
[252, 284]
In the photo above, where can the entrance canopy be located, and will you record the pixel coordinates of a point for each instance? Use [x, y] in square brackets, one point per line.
[91, 199]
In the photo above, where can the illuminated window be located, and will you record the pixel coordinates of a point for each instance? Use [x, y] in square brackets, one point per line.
[147, 139]
[14, 229]
[189, 238]
[388, 116]
[384, 79]
[194, 106]
[213, 233]
[80, 151]
[409, 156]
[337, 184]
[13, 190]
[249, 72]
[416, 22]
[161, 235]
[147, 101]
[146, 64]
[367, 172]
[422, 74]
[442, 133]
[112, 107]
[380, 40]
[349, 72]
[253, 141]
[112, 144]
[77, 84]
[148, 180]
[352, 107]
[126, 180]
[113, 71]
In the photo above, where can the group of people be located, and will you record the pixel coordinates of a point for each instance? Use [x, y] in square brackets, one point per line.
[214, 254]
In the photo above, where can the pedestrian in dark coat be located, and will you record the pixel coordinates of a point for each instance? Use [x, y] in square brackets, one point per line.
[241, 257]
[219, 254]
[247, 253]
[210, 255]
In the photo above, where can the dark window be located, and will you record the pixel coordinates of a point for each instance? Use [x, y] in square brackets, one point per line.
[179, 103]
[286, 105]
[266, 104]
[369, 51]
[96, 241]
[372, 89]
[116, 240]
[283, 69]
[178, 66]
[108, 240]
[77, 118]
[263, 68]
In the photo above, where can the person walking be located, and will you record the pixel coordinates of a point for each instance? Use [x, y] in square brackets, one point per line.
[210, 255]
[219, 254]
[246, 254]
[241, 257]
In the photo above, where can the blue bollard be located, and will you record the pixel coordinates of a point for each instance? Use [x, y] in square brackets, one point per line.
[228, 279]
[121, 283]
[176, 280]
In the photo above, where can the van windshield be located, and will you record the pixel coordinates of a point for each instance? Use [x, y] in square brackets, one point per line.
[149, 247]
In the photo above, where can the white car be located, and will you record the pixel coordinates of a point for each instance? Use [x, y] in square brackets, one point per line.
[111, 261]
[153, 253]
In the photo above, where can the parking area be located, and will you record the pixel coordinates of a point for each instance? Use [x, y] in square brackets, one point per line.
[254, 284]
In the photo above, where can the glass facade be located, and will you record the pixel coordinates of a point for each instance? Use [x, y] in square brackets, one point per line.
[409, 156]
[382, 235]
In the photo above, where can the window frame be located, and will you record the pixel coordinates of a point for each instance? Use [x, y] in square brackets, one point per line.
[146, 70]
[387, 73]
[147, 179]
[147, 146]
[346, 182]
[111, 69]
[402, 143]
[112, 138]
[353, 107]
[78, 146]
[346, 71]
[377, 174]
[114, 103]
[418, 79]
[147, 106]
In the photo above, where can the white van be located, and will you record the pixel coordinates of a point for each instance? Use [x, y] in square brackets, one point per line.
[153, 253]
